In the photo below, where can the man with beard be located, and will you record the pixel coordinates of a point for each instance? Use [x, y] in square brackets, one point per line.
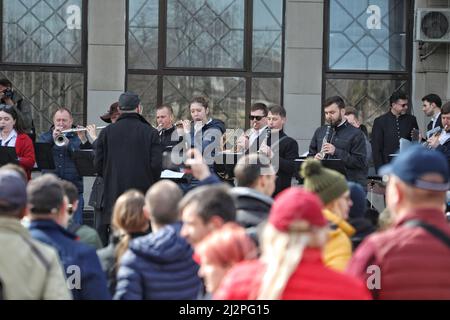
[338, 139]
[389, 128]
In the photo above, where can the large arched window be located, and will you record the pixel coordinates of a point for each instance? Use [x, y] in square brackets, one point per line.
[229, 50]
[43, 54]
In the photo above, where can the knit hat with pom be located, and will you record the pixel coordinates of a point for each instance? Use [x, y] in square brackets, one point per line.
[327, 183]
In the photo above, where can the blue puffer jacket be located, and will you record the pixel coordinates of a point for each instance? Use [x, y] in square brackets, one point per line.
[65, 167]
[158, 266]
[92, 284]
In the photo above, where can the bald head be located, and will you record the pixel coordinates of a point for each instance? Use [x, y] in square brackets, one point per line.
[162, 201]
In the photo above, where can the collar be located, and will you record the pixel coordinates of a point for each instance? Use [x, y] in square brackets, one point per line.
[12, 134]
[14, 225]
[429, 215]
[434, 118]
[49, 224]
[341, 223]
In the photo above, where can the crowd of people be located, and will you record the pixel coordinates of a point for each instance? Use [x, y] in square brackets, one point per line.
[200, 237]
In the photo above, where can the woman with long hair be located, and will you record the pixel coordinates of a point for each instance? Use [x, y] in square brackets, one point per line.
[128, 222]
[291, 265]
[12, 134]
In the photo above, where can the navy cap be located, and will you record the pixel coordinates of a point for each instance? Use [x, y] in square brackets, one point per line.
[129, 101]
[13, 190]
[417, 161]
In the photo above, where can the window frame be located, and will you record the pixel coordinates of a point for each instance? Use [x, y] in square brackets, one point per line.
[406, 75]
[246, 72]
[58, 68]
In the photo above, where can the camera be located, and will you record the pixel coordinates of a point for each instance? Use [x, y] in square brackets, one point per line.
[8, 93]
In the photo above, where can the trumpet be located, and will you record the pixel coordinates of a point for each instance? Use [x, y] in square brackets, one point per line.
[61, 140]
[80, 129]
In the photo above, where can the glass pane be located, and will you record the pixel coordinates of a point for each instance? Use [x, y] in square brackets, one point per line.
[143, 34]
[267, 35]
[205, 33]
[46, 91]
[42, 31]
[146, 87]
[367, 36]
[227, 97]
[267, 90]
[369, 97]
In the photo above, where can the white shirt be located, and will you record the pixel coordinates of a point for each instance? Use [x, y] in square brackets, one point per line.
[444, 137]
[434, 119]
[255, 134]
[10, 141]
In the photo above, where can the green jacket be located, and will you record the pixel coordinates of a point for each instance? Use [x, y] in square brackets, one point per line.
[29, 269]
[86, 234]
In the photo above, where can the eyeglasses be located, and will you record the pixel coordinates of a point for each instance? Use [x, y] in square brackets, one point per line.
[257, 118]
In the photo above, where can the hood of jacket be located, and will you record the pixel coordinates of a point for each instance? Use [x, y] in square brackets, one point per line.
[164, 246]
[216, 124]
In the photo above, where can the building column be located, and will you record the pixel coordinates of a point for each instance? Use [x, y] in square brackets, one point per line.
[106, 56]
[303, 69]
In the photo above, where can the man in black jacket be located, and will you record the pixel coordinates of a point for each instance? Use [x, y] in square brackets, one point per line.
[255, 180]
[431, 106]
[389, 128]
[128, 153]
[168, 135]
[338, 139]
[280, 148]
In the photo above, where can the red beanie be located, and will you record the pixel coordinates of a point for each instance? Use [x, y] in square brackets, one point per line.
[296, 205]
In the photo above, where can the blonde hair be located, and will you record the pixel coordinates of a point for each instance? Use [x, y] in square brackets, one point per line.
[282, 252]
[128, 217]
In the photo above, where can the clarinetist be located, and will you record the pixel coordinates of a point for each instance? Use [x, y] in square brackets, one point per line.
[344, 142]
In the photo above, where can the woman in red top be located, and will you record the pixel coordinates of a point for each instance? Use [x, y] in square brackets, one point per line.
[13, 135]
[291, 265]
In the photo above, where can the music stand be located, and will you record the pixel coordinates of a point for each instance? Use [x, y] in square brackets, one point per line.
[8, 155]
[84, 162]
[44, 156]
[224, 163]
[335, 164]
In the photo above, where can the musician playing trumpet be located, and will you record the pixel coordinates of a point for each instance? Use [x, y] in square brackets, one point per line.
[441, 140]
[62, 153]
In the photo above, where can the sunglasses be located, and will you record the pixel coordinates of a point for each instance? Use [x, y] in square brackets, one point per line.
[257, 118]
[5, 107]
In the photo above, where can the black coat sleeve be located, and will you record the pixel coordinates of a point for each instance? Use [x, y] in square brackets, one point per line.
[100, 153]
[356, 157]
[156, 156]
[313, 146]
[288, 153]
[377, 144]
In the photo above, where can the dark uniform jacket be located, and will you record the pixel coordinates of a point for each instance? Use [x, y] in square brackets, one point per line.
[128, 156]
[386, 133]
[350, 146]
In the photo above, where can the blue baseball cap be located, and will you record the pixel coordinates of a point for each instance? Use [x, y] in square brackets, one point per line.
[13, 190]
[417, 161]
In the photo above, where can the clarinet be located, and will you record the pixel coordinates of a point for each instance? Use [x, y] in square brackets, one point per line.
[325, 140]
[269, 137]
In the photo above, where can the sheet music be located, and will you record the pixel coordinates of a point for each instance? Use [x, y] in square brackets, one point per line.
[169, 174]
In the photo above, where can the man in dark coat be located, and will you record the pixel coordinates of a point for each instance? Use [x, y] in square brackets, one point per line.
[280, 148]
[128, 153]
[255, 180]
[389, 128]
[159, 266]
[431, 106]
[338, 139]
[441, 141]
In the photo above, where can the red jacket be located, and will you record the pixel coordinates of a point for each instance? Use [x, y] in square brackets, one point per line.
[413, 263]
[310, 281]
[25, 153]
